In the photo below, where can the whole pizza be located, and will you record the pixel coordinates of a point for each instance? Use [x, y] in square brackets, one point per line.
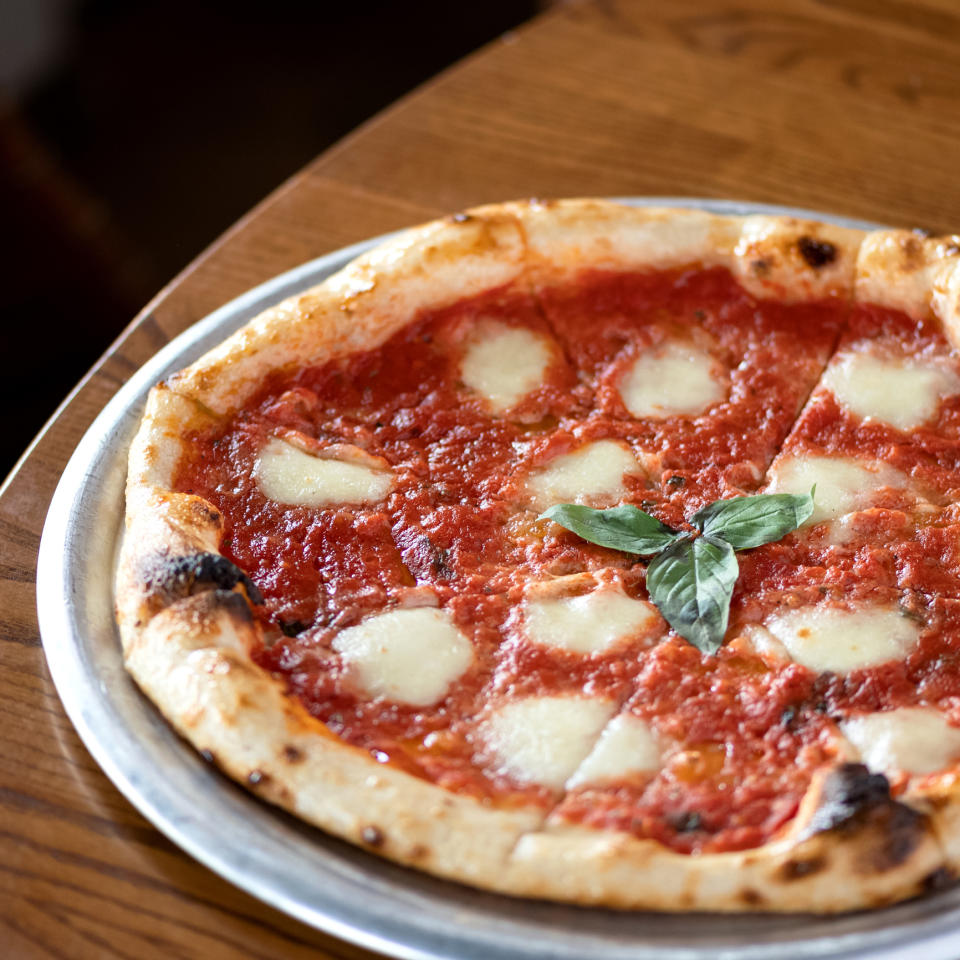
[579, 551]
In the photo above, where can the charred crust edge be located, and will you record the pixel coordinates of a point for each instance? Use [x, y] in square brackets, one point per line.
[233, 604]
[848, 792]
[185, 575]
[816, 253]
[939, 879]
[853, 801]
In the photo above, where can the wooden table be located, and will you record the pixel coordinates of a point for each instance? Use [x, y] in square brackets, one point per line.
[851, 106]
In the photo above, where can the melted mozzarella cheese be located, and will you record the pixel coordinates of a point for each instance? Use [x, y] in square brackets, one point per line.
[412, 656]
[593, 473]
[544, 739]
[675, 379]
[900, 392]
[590, 623]
[286, 474]
[915, 740]
[843, 483]
[837, 640]
[503, 363]
[626, 746]
[758, 640]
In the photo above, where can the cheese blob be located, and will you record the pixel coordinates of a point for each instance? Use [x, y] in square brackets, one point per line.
[410, 656]
[543, 740]
[504, 363]
[843, 484]
[626, 746]
[901, 392]
[838, 640]
[286, 474]
[915, 740]
[590, 623]
[594, 474]
[674, 379]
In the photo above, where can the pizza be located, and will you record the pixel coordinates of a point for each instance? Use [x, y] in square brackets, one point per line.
[338, 583]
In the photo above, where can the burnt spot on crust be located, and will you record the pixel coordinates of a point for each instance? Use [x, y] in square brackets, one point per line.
[798, 869]
[816, 253]
[373, 837]
[751, 897]
[847, 792]
[760, 267]
[852, 801]
[183, 576]
[418, 852]
[912, 249]
[939, 879]
[234, 605]
[207, 512]
[292, 754]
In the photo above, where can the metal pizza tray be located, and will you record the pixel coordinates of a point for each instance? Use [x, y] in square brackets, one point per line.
[302, 871]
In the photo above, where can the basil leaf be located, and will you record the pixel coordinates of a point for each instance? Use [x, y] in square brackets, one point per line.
[691, 583]
[622, 528]
[746, 522]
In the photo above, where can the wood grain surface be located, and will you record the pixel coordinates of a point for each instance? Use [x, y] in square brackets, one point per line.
[851, 106]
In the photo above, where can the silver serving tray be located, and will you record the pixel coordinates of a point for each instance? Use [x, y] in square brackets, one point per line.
[322, 881]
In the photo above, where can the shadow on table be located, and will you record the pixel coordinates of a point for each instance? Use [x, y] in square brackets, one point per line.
[132, 135]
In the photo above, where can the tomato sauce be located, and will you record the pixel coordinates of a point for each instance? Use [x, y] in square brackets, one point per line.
[458, 530]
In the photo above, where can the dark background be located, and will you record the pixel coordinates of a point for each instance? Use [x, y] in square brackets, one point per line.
[133, 134]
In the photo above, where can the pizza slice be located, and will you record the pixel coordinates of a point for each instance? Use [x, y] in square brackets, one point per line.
[700, 337]
[879, 439]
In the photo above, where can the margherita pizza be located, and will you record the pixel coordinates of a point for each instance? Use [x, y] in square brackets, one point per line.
[338, 583]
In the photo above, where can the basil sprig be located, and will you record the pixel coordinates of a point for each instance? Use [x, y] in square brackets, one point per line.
[746, 522]
[623, 528]
[691, 577]
[691, 582]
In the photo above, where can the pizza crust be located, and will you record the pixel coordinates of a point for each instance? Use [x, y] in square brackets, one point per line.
[782, 257]
[164, 530]
[363, 305]
[920, 275]
[850, 846]
[192, 660]
[184, 610]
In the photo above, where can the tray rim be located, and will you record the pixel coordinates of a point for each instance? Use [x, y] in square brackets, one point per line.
[62, 605]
